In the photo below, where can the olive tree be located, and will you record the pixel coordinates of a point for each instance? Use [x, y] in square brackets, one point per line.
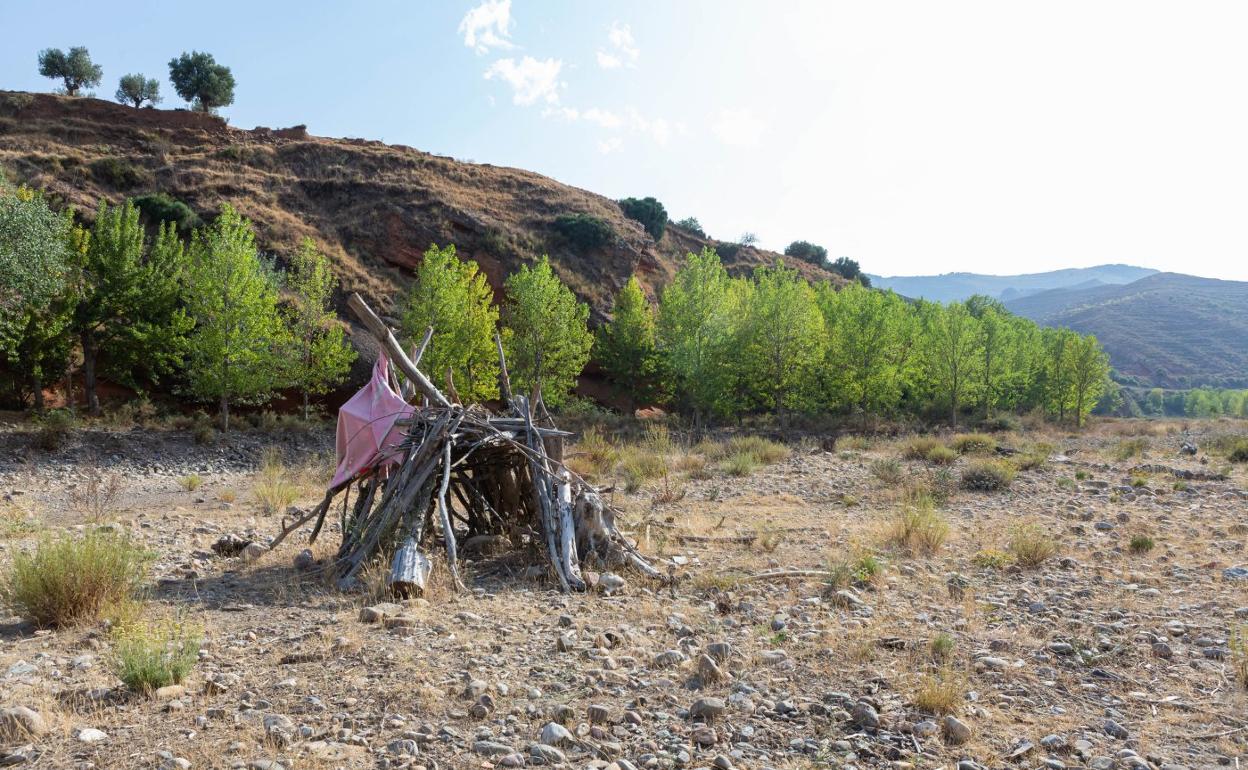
[136, 89]
[198, 78]
[75, 68]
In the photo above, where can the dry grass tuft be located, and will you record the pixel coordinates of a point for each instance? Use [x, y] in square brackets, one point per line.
[987, 476]
[888, 471]
[919, 447]
[1239, 655]
[942, 455]
[191, 482]
[274, 489]
[97, 495]
[1031, 545]
[918, 528]
[973, 443]
[941, 692]
[1129, 448]
[149, 656]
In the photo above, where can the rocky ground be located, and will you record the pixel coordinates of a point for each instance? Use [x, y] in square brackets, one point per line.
[1100, 657]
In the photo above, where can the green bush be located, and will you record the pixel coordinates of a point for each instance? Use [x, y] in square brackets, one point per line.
[152, 656]
[1142, 544]
[941, 455]
[887, 470]
[69, 579]
[918, 447]
[973, 443]
[807, 252]
[987, 476]
[1238, 452]
[649, 212]
[583, 230]
[692, 226]
[120, 174]
[159, 207]
[919, 528]
[54, 429]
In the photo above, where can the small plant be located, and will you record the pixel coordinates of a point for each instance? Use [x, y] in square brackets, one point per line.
[97, 495]
[987, 476]
[973, 443]
[1130, 447]
[1141, 544]
[990, 558]
[16, 520]
[1139, 480]
[942, 455]
[228, 496]
[1031, 545]
[853, 443]
[118, 173]
[1033, 460]
[150, 656]
[593, 454]
[887, 470]
[54, 429]
[191, 482]
[69, 579]
[274, 490]
[1239, 655]
[1238, 453]
[1082, 475]
[941, 692]
[764, 451]
[1179, 486]
[1066, 483]
[919, 529]
[202, 430]
[919, 447]
[769, 538]
[740, 464]
[941, 647]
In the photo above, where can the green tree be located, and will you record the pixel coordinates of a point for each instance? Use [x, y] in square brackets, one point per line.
[75, 69]
[1089, 375]
[995, 342]
[849, 270]
[127, 300]
[136, 89]
[807, 252]
[951, 352]
[1058, 373]
[453, 297]
[870, 346]
[649, 212]
[782, 339]
[625, 346]
[691, 225]
[201, 81]
[696, 327]
[548, 339]
[235, 348]
[34, 256]
[320, 355]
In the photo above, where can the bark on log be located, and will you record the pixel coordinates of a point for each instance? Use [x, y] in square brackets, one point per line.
[386, 337]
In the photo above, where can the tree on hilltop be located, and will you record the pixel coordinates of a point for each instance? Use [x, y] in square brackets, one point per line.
[75, 68]
[136, 89]
[201, 81]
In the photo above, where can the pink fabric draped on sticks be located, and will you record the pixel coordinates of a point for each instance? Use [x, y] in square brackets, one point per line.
[367, 434]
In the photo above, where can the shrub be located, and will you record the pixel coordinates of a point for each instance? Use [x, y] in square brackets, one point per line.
[941, 646]
[593, 453]
[862, 571]
[118, 173]
[1129, 448]
[807, 252]
[649, 212]
[583, 230]
[941, 692]
[942, 455]
[150, 656]
[96, 496]
[1239, 655]
[887, 470]
[159, 207]
[1001, 424]
[69, 579]
[919, 529]
[764, 451]
[919, 447]
[987, 476]
[1031, 545]
[1030, 461]
[1066, 482]
[1139, 480]
[691, 225]
[191, 482]
[973, 443]
[54, 429]
[727, 250]
[990, 558]
[274, 490]
[1238, 452]
[1141, 544]
[740, 464]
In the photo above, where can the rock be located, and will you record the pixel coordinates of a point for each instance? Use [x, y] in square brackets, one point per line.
[305, 560]
[707, 708]
[719, 651]
[610, 583]
[555, 734]
[1115, 730]
[864, 715]
[1162, 650]
[1235, 573]
[708, 671]
[565, 643]
[547, 753]
[721, 762]
[90, 735]
[253, 551]
[492, 748]
[598, 713]
[18, 723]
[957, 732]
[279, 729]
[669, 658]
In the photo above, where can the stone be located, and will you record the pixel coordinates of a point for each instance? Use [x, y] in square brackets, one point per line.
[169, 692]
[1115, 730]
[547, 753]
[707, 708]
[305, 560]
[18, 723]
[669, 658]
[719, 651]
[864, 715]
[708, 671]
[555, 734]
[90, 735]
[253, 551]
[957, 732]
[492, 748]
[610, 583]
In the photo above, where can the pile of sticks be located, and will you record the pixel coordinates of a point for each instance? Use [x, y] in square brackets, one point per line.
[465, 473]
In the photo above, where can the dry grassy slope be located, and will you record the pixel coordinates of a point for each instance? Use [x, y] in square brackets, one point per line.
[374, 208]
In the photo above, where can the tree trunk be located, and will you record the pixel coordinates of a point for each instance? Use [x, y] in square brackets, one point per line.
[305, 406]
[225, 414]
[89, 353]
[36, 385]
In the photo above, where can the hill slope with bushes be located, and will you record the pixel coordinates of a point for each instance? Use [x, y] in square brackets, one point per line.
[373, 208]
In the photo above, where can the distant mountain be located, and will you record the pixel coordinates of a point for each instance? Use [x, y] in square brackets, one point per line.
[1166, 330]
[957, 286]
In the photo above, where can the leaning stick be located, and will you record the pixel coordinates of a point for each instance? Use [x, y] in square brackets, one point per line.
[384, 336]
[417, 353]
[448, 533]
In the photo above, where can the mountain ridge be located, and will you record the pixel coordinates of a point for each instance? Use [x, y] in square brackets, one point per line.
[954, 286]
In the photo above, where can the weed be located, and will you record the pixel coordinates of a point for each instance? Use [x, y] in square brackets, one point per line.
[769, 538]
[1238, 452]
[987, 476]
[919, 529]
[919, 448]
[191, 482]
[71, 579]
[1082, 475]
[941, 692]
[1031, 545]
[16, 520]
[1141, 544]
[594, 453]
[154, 655]
[853, 443]
[97, 495]
[1139, 480]
[228, 496]
[1066, 482]
[274, 491]
[54, 429]
[973, 443]
[740, 464]
[1179, 486]
[942, 455]
[941, 646]
[1033, 460]
[1239, 655]
[990, 558]
[887, 470]
[1130, 447]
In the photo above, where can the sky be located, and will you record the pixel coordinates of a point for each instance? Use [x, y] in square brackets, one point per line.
[914, 137]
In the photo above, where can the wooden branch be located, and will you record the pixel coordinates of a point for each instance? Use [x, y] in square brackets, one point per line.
[504, 380]
[417, 353]
[448, 532]
[386, 338]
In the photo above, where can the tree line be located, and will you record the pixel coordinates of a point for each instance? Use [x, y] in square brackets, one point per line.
[196, 77]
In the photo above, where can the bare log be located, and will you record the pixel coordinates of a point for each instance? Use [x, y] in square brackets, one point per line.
[504, 380]
[448, 534]
[386, 337]
[418, 352]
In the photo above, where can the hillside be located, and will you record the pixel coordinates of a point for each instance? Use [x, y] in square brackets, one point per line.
[373, 208]
[956, 286]
[1167, 330]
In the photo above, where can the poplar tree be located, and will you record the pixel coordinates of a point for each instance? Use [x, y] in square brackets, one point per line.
[320, 355]
[626, 345]
[1089, 375]
[453, 296]
[869, 345]
[951, 349]
[235, 348]
[547, 336]
[782, 339]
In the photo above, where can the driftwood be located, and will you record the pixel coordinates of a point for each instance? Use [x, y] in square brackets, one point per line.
[464, 474]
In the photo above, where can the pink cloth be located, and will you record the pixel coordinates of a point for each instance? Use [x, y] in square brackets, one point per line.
[367, 434]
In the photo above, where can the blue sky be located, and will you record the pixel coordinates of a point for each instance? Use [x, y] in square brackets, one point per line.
[915, 137]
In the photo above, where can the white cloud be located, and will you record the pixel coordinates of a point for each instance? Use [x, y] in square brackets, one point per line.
[531, 80]
[739, 128]
[657, 129]
[621, 50]
[604, 118]
[487, 26]
[610, 145]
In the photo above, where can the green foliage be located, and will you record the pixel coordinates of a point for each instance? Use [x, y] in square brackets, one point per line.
[149, 656]
[135, 89]
[848, 269]
[453, 297]
[55, 428]
[75, 69]
[870, 351]
[918, 528]
[781, 340]
[118, 173]
[887, 470]
[919, 447]
[584, 231]
[649, 212]
[68, 579]
[235, 349]
[1141, 544]
[34, 258]
[950, 337]
[201, 81]
[942, 455]
[320, 356]
[691, 225]
[807, 252]
[1238, 452]
[626, 346]
[547, 336]
[973, 443]
[158, 208]
[987, 476]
